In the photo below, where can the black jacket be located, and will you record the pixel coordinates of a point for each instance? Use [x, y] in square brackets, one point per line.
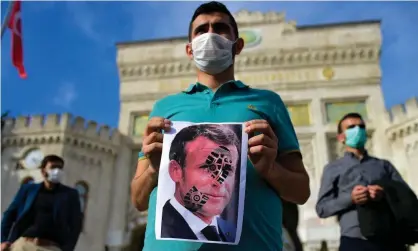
[67, 214]
[394, 217]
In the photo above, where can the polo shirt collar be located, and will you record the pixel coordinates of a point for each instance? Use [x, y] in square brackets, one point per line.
[200, 87]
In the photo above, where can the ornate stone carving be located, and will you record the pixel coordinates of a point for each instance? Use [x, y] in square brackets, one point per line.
[403, 119]
[55, 129]
[274, 86]
[84, 159]
[267, 58]
[245, 17]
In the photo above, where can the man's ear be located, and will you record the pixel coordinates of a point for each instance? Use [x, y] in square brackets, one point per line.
[44, 173]
[239, 46]
[341, 137]
[189, 51]
[175, 171]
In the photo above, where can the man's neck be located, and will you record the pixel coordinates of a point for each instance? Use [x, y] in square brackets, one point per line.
[215, 81]
[49, 185]
[359, 153]
[207, 220]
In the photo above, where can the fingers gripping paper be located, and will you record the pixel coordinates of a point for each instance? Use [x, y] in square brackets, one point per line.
[201, 183]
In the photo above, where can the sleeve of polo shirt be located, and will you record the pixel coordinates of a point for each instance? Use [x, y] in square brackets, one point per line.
[283, 128]
[156, 112]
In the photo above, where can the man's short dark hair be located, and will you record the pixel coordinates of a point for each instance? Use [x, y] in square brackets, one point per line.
[52, 159]
[220, 134]
[348, 116]
[213, 7]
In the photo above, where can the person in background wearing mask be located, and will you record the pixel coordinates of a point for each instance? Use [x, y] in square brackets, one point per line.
[45, 216]
[346, 183]
[275, 168]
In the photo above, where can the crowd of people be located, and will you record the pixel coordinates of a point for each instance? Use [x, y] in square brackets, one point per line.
[357, 188]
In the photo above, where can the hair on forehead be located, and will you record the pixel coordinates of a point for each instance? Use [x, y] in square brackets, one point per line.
[347, 116]
[210, 8]
[51, 159]
[220, 134]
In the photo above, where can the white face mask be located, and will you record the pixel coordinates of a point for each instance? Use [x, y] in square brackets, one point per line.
[212, 53]
[55, 175]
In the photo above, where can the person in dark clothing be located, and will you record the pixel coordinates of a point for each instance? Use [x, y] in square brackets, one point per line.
[291, 222]
[45, 216]
[347, 182]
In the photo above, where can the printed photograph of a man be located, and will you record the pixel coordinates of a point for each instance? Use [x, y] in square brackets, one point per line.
[204, 164]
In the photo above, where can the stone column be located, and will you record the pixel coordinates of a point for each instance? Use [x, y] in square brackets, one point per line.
[116, 237]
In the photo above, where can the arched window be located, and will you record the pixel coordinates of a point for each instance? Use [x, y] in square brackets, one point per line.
[27, 180]
[83, 193]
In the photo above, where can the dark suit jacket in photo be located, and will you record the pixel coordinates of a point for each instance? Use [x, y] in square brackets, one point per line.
[173, 225]
[67, 214]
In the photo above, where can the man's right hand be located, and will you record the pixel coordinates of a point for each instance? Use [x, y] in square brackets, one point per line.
[5, 246]
[359, 195]
[152, 143]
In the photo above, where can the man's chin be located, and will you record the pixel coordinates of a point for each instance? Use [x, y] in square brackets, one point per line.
[212, 210]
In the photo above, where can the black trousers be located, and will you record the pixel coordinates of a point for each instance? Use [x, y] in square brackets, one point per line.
[354, 244]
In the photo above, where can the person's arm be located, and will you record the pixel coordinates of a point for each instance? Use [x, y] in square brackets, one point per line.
[10, 215]
[146, 176]
[288, 176]
[331, 200]
[144, 181]
[75, 222]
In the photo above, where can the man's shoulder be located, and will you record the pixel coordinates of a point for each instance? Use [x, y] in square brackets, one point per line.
[384, 161]
[335, 164]
[270, 95]
[68, 189]
[161, 105]
[30, 186]
[169, 99]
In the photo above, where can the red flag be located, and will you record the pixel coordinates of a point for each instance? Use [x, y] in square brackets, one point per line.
[15, 25]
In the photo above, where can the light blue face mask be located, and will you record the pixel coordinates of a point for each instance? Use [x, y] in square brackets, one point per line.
[355, 137]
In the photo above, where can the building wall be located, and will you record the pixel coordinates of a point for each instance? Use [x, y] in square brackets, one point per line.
[90, 154]
[320, 72]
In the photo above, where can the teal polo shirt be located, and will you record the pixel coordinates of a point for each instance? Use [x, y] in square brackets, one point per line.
[232, 102]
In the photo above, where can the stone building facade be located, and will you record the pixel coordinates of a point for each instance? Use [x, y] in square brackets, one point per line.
[321, 73]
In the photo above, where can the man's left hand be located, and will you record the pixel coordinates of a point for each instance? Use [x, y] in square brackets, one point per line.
[262, 147]
[375, 192]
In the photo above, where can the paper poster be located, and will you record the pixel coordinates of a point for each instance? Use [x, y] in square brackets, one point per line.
[201, 183]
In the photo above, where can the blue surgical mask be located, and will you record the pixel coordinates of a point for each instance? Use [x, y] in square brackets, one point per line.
[355, 137]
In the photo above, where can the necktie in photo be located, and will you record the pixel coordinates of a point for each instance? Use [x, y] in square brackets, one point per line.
[211, 234]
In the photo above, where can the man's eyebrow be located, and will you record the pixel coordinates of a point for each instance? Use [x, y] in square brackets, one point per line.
[214, 24]
[200, 27]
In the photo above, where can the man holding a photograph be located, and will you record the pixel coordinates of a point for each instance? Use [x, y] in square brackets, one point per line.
[203, 162]
[275, 169]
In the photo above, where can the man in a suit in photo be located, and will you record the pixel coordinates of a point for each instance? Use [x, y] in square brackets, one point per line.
[44, 216]
[203, 163]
